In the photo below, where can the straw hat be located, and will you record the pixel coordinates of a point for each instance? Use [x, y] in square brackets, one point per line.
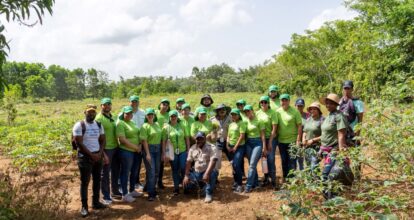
[333, 97]
[315, 105]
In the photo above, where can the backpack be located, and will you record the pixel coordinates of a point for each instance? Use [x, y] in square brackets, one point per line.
[75, 144]
[348, 108]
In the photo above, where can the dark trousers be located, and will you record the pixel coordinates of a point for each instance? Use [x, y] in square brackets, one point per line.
[288, 161]
[111, 170]
[87, 168]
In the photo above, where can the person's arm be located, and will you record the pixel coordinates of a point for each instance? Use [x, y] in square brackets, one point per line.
[186, 179]
[272, 136]
[342, 139]
[300, 132]
[187, 143]
[241, 138]
[84, 150]
[210, 168]
[264, 148]
[146, 148]
[123, 140]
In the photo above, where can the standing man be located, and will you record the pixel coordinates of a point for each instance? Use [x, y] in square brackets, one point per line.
[111, 152]
[207, 102]
[352, 107]
[274, 97]
[90, 141]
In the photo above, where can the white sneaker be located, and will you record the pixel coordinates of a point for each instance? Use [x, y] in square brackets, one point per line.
[107, 202]
[128, 198]
[136, 194]
[208, 198]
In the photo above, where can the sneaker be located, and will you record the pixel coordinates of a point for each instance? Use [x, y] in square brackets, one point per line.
[139, 186]
[116, 195]
[151, 198]
[99, 205]
[128, 198]
[136, 194]
[238, 189]
[176, 192]
[247, 190]
[264, 183]
[234, 186]
[84, 212]
[107, 202]
[208, 198]
[275, 186]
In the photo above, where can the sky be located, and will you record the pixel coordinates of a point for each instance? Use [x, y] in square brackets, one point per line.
[166, 37]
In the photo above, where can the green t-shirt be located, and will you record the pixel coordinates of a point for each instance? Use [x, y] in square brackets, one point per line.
[331, 125]
[176, 134]
[254, 127]
[288, 124]
[109, 126]
[235, 129]
[312, 127]
[205, 127]
[128, 130]
[210, 111]
[186, 123]
[269, 118]
[151, 133]
[275, 104]
[243, 116]
[161, 118]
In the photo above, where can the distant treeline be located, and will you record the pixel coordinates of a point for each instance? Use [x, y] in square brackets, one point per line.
[375, 49]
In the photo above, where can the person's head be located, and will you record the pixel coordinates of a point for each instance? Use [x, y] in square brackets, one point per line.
[185, 109]
[127, 113]
[331, 102]
[201, 114]
[173, 114]
[273, 91]
[235, 115]
[90, 112]
[285, 101]
[179, 103]
[150, 116]
[222, 111]
[106, 105]
[200, 138]
[315, 110]
[347, 88]
[134, 101]
[248, 110]
[264, 103]
[240, 104]
[164, 105]
[300, 104]
[206, 100]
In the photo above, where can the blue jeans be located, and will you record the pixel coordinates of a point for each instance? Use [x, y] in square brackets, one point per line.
[300, 162]
[312, 159]
[238, 164]
[178, 168]
[113, 168]
[129, 166]
[271, 160]
[153, 169]
[196, 180]
[254, 148]
[288, 161]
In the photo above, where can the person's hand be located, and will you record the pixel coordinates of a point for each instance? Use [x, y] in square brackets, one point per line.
[298, 143]
[186, 181]
[206, 178]
[105, 159]
[148, 157]
[229, 149]
[95, 157]
[165, 158]
[264, 152]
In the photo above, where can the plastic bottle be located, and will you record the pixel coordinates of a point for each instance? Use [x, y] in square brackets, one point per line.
[264, 165]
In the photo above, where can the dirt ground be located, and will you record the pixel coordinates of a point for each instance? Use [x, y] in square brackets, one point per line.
[260, 204]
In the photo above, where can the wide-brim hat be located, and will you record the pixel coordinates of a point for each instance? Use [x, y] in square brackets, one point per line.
[204, 97]
[223, 106]
[315, 105]
[333, 97]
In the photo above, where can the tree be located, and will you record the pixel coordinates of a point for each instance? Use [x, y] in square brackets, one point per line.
[36, 86]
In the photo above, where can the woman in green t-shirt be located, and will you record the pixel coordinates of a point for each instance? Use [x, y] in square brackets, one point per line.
[236, 148]
[186, 120]
[151, 140]
[179, 138]
[312, 135]
[201, 124]
[130, 153]
[255, 146]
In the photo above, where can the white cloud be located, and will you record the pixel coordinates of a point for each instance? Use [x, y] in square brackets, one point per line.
[339, 13]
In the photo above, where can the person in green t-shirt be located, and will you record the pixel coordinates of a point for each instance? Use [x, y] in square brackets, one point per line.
[300, 106]
[312, 135]
[201, 124]
[333, 138]
[175, 133]
[130, 153]
[111, 155]
[186, 119]
[240, 105]
[179, 103]
[150, 135]
[162, 118]
[268, 117]
[289, 133]
[274, 97]
[255, 146]
[236, 147]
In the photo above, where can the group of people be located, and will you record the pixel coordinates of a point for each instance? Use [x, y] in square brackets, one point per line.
[111, 148]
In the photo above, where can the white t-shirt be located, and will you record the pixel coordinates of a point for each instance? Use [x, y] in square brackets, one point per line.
[138, 118]
[91, 137]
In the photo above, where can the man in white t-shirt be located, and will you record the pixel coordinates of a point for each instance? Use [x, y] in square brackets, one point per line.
[90, 141]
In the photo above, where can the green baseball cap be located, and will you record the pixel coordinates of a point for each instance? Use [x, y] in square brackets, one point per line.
[134, 98]
[265, 98]
[165, 100]
[173, 112]
[106, 101]
[201, 110]
[235, 111]
[273, 88]
[180, 100]
[241, 101]
[248, 107]
[284, 96]
[127, 109]
[185, 105]
[149, 111]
